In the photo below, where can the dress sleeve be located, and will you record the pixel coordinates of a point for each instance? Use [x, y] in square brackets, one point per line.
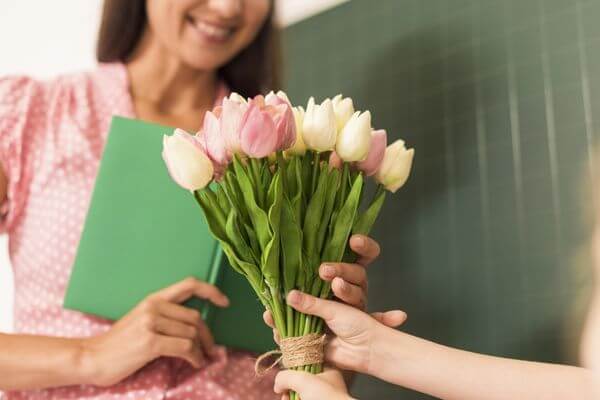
[19, 97]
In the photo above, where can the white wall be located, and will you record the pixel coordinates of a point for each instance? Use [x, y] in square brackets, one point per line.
[44, 38]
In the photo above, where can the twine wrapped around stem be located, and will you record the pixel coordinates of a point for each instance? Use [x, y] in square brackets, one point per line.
[294, 352]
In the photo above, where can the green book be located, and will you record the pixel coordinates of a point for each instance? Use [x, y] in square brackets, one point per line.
[143, 233]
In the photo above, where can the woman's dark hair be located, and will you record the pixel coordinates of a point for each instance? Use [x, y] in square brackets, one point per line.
[254, 70]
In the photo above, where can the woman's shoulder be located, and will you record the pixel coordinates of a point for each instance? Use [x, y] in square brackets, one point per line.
[90, 85]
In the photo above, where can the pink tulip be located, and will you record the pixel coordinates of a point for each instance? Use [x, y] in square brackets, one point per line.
[258, 135]
[214, 144]
[335, 161]
[285, 123]
[230, 117]
[371, 164]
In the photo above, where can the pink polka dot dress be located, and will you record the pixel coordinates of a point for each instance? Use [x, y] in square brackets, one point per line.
[52, 135]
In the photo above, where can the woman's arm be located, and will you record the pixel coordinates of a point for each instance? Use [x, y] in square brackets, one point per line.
[157, 326]
[34, 362]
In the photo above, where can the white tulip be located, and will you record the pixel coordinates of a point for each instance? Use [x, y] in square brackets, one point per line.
[319, 126]
[343, 109]
[396, 166]
[237, 98]
[186, 160]
[299, 148]
[354, 140]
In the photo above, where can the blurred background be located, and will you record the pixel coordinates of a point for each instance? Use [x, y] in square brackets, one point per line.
[487, 247]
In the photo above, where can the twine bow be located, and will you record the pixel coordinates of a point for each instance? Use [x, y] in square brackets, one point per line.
[294, 352]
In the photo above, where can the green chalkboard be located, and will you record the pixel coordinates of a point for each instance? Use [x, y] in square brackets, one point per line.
[486, 246]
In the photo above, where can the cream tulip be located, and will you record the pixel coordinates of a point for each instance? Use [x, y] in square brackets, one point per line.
[319, 126]
[188, 164]
[396, 166]
[343, 109]
[298, 148]
[354, 141]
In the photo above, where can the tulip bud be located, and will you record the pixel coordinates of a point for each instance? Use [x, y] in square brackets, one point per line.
[213, 140]
[395, 168]
[371, 164]
[279, 98]
[343, 109]
[187, 163]
[319, 126]
[236, 97]
[258, 133]
[232, 112]
[298, 148]
[354, 140]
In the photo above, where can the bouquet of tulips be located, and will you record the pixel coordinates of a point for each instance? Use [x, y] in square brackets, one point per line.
[287, 194]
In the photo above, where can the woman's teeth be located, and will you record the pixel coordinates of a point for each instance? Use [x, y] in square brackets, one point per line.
[212, 31]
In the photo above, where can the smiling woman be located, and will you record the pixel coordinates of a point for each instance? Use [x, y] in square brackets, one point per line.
[164, 61]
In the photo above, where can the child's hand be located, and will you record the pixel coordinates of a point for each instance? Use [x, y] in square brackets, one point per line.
[355, 330]
[329, 385]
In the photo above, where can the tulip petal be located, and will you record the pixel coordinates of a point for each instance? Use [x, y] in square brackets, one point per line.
[373, 161]
[258, 135]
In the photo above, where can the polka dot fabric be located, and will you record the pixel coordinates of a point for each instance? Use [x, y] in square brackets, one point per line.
[52, 135]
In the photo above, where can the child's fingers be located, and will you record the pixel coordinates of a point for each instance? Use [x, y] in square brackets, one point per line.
[392, 319]
[308, 304]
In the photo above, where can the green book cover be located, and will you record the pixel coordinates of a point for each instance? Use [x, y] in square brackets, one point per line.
[143, 233]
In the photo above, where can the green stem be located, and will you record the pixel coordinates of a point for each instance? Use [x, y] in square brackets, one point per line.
[278, 314]
[315, 172]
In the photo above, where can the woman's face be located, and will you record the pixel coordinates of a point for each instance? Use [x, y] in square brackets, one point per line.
[206, 34]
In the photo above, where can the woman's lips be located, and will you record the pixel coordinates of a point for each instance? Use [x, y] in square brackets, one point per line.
[210, 32]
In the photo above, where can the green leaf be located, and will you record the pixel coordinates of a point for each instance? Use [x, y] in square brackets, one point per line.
[365, 221]
[313, 217]
[332, 189]
[291, 245]
[240, 246]
[337, 242]
[223, 199]
[213, 214]
[271, 253]
[258, 216]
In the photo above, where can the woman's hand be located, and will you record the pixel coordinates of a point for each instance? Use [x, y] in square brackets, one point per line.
[158, 326]
[329, 385]
[355, 331]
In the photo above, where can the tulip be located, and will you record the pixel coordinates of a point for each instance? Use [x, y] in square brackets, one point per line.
[277, 98]
[354, 140]
[213, 140]
[186, 161]
[343, 109]
[395, 167]
[258, 135]
[283, 116]
[231, 115]
[371, 164]
[319, 126]
[298, 148]
[236, 98]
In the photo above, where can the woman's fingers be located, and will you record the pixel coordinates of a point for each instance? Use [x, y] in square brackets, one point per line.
[189, 287]
[391, 319]
[348, 293]
[179, 312]
[186, 349]
[366, 248]
[169, 327]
